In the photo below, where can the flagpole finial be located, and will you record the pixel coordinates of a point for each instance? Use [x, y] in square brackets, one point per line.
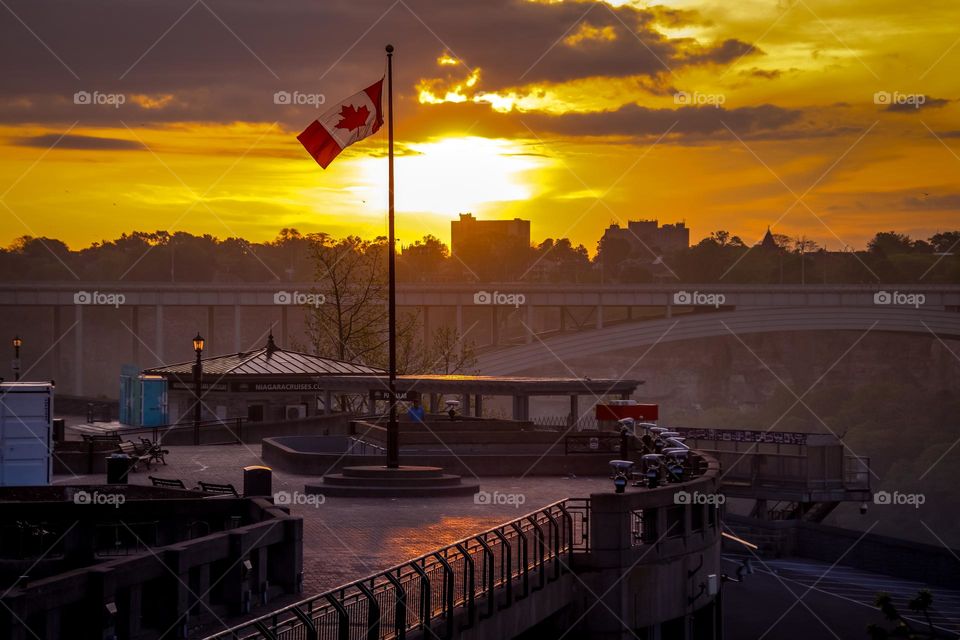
[389, 48]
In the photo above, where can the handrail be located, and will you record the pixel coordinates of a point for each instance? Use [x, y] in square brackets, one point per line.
[453, 559]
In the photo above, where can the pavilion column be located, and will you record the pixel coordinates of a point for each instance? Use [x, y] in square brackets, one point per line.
[478, 405]
[574, 409]
[465, 405]
[372, 399]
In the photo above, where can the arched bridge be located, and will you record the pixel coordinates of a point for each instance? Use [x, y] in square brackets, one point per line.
[741, 321]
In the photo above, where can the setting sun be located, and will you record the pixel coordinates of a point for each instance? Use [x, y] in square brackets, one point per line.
[451, 175]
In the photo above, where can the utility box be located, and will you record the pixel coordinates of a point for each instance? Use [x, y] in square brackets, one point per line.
[26, 428]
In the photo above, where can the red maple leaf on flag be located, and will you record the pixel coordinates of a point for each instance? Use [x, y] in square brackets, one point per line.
[353, 118]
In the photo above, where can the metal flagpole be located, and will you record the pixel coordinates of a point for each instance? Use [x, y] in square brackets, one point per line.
[393, 428]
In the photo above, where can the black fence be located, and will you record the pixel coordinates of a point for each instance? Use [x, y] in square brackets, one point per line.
[476, 576]
[218, 431]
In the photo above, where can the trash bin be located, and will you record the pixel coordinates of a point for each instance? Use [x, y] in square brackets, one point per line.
[257, 481]
[118, 466]
[59, 427]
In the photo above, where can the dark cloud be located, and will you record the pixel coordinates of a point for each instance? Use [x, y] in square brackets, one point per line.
[77, 142]
[932, 201]
[700, 121]
[767, 74]
[729, 50]
[223, 60]
[913, 105]
[689, 123]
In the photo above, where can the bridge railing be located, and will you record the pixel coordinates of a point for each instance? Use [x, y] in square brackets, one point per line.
[461, 583]
[856, 472]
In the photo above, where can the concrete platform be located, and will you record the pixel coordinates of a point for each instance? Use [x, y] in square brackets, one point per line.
[384, 482]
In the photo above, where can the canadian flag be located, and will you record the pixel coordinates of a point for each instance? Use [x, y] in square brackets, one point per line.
[349, 121]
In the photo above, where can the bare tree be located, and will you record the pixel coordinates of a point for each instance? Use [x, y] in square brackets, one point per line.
[347, 317]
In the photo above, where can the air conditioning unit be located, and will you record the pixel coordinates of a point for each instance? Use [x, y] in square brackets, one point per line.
[296, 411]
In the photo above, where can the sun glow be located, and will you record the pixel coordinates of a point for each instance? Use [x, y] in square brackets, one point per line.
[456, 174]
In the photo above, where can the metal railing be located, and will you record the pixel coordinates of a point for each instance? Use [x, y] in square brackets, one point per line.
[231, 429]
[606, 443]
[461, 583]
[363, 447]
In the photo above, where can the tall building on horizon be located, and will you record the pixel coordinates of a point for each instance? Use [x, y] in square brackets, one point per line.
[648, 239]
[469, 231]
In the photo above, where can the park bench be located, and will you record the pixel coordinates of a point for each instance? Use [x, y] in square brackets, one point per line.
[219, 489]
[154, 450]
[136, 453]
[169, 483]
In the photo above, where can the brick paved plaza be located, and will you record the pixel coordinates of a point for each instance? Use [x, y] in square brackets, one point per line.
[345, 538]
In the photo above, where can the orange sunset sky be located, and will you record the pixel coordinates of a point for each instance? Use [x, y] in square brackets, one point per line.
[830, 119]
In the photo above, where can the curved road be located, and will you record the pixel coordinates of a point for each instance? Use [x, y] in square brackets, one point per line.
[515, 359]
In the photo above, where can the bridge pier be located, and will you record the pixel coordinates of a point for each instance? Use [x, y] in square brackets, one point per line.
[521, 407]
[78, 350]
[158, 338]
[529, 323]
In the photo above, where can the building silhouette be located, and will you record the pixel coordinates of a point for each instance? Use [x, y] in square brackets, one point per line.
[490, 249]
[468, 232]
[647, 239]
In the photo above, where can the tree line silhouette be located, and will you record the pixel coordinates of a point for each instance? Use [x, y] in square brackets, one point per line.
[160, 256]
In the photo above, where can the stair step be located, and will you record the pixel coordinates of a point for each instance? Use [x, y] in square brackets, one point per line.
[340, 479]
[387, 475]
[392, 491]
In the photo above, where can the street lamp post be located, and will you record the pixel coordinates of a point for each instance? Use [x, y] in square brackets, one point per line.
[17, 342]
[197, 377]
